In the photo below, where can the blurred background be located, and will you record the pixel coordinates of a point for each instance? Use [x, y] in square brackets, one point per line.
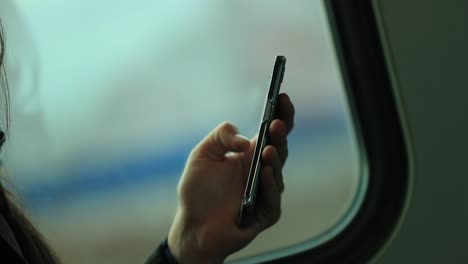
[109, 97]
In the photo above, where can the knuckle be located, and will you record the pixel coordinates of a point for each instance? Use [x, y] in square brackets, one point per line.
[226, 126]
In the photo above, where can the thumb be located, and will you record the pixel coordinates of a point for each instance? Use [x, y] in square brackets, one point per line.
[223, 139]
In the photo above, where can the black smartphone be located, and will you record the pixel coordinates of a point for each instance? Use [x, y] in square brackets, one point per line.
[253, 181]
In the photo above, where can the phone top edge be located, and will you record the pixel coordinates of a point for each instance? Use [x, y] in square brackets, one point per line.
[276, 78]
[280, 58]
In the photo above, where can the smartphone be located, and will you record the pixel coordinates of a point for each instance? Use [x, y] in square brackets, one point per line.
[253, 180]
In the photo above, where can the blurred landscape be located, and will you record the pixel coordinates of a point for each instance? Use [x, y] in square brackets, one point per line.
[108, 99]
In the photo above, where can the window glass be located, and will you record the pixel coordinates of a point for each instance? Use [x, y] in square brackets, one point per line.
[109, 97]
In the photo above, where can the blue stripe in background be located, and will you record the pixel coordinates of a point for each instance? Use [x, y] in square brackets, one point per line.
[153, 169]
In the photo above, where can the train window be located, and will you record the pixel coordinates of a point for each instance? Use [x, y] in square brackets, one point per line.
[108, 98]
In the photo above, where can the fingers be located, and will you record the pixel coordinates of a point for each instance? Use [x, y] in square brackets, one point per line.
[281, 126]
[268, 210]
[221, 140]
[272, 159]
[285, 111]
[278, 139]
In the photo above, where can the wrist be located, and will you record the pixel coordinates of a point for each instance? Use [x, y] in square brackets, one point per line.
[188, 246]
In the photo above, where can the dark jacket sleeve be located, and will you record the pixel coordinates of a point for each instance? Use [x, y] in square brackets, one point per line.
[9, 247]
[162, 255]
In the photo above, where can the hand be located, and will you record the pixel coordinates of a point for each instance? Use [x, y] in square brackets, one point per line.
[211, 189]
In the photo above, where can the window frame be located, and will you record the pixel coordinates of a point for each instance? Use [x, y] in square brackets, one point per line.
[380, 135]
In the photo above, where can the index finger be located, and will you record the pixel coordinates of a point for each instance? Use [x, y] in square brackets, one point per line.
[285, 111]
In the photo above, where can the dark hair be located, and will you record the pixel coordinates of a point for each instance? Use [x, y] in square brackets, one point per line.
[32, 244]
